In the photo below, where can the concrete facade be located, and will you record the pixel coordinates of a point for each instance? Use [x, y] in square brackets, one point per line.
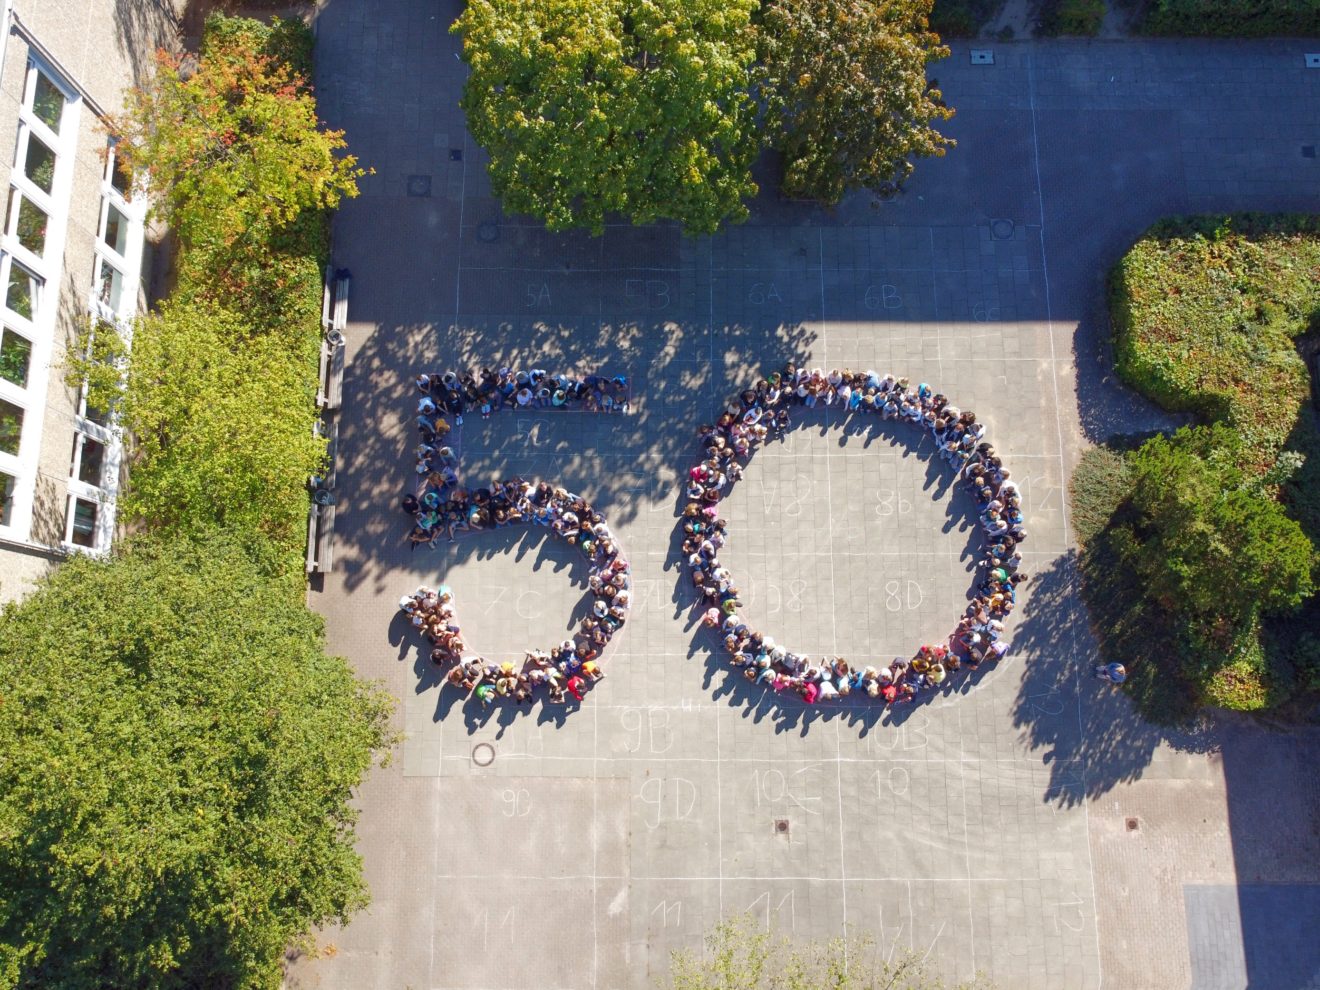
[71, 251]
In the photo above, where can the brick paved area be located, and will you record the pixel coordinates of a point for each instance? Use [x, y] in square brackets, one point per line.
[986, 828]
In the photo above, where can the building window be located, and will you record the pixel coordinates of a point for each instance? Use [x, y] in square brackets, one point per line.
[88, 460]
[11, 427]
[114, 233]
[110, 286]
[23, 290]
[15, 357]
[35, 210]
[121, 179]
[39, 164]
[84, 513]
[7, 485]
[27, 223]
[48, 101]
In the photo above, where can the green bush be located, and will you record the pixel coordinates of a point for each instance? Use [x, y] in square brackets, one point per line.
[288, 40]
[180, 756]
[1217, 539]
[1205, 314]
[219, 395]
[963, 18]
[1071, 17]
[1234, 18]
[223, 420]
[1101, 482]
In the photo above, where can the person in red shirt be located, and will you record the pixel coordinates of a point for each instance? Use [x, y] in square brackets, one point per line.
[575, 686]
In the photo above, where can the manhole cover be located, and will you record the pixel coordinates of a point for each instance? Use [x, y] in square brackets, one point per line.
[781, 826]
[455, 154]
[483, 754]
[1308, 151]
[1133, 824]
[1002, 230]
[419, 185]
[488, 231]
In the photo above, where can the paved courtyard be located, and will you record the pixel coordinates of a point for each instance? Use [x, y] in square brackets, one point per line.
[990, 829]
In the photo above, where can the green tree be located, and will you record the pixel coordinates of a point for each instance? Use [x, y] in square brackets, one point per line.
[1215, 549]
[636, 107]
[222, 418]
[846, 92]
[740, 955]
[179, 756]
[234, 150]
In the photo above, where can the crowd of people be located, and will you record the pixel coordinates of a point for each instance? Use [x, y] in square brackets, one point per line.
[761, 413]
[572, 665]
[446, 397]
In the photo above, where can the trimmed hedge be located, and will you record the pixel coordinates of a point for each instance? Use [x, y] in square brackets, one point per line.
[1205, 312]
[1234, 18]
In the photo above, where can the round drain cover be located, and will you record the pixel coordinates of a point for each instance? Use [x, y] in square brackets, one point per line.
[483, 754]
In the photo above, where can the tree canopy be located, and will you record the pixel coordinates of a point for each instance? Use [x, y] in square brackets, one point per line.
[179, 753]
[635, 107]
[233, 150]
[846, 90]
[1215, 547]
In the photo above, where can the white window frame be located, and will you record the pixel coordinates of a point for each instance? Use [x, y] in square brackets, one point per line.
[40, 329]
[101, 533]
[129, 265]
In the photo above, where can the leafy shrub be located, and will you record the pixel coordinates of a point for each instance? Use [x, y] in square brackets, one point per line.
[1242, 684]
[223, 419]
[234, 152]
[1071, 17]
[287, 39]
[180, 754]
[963, 18]
[1234, 18]
[1205, 311]
[1218, 537]
[741, 955]
[1101, 482]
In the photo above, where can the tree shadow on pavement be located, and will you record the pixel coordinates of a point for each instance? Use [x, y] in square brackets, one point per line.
[1107, 743]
